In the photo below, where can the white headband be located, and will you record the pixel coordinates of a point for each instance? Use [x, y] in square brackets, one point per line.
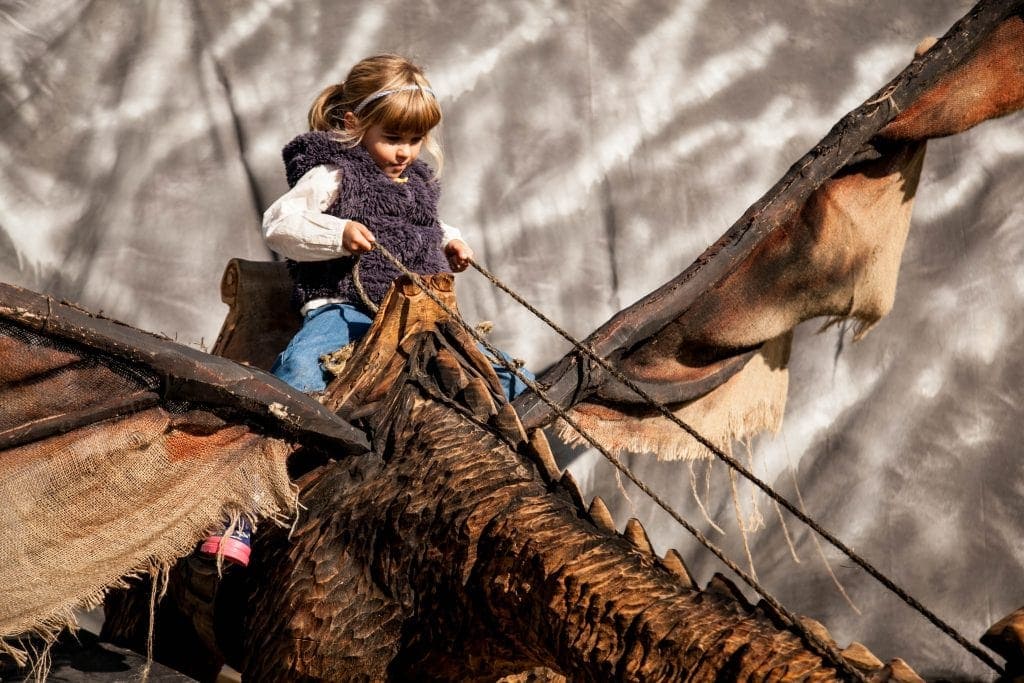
[384, 93]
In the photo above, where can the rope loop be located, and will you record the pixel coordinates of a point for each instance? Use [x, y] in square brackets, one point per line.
[372, 307]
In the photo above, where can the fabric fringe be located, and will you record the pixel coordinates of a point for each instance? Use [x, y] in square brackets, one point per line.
[697, 497]
[751, 401]
[87, 510]
[817, 543]
[336, 361]
[740, 524]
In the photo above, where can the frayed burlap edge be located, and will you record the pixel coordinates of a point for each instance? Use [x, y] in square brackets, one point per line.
[259, 489]
[751, 401]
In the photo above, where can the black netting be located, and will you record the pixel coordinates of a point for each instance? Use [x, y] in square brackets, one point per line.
[41, 377]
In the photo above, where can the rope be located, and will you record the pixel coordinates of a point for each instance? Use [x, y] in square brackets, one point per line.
[812, 640]
[357, 281]
[738, 467]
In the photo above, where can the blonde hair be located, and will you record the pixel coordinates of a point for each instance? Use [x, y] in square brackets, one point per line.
[407, 112]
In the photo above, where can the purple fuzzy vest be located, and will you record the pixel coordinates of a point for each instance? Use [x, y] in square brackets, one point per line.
[402, 216]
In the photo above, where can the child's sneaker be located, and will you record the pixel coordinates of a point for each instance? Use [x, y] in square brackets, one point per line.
[236, 547]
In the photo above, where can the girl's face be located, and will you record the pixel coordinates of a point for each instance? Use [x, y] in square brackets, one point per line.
[391, 151]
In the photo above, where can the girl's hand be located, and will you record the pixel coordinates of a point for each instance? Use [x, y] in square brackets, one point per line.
[459, 255]
[356, 238]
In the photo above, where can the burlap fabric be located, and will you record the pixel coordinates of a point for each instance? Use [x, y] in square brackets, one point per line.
[84, 509]
[839, 258]
[751, 401]
[988, 85]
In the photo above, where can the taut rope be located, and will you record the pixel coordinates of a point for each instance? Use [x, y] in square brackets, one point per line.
[812, 640]
[808, 637]
[738, 467]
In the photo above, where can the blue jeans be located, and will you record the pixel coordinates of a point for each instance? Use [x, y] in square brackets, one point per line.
[324, 330]
[328, 328]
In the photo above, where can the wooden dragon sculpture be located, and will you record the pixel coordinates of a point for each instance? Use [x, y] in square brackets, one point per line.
[437, 540]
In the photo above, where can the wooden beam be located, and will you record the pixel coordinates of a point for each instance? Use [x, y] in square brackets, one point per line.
[187, 374]
[55, 425]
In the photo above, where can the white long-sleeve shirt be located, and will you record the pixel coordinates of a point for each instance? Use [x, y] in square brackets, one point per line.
[296, 227]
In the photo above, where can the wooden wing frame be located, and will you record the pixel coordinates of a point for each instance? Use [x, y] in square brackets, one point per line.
[120, 449]
[802, 250]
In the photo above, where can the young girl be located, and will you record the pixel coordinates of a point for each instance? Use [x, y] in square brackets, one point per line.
[355, 179]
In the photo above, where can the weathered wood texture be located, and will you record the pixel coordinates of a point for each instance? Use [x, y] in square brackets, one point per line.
[451, 552]
[176, 372]
[448, 553]
[261, 318]
[1006, 637]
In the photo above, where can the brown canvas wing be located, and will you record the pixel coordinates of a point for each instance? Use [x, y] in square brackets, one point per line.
[838, 258]
[987, 85]
[119, 450]
[825, 241]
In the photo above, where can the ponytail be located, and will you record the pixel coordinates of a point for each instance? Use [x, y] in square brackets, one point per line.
[327, 111]
[405, 108]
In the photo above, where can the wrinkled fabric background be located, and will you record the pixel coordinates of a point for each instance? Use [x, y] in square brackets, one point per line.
[593, 150]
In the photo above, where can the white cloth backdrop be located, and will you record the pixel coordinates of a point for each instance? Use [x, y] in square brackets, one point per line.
[593, 150]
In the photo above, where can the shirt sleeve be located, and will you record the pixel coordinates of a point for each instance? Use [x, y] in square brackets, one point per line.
[450, 233]
[296, 227]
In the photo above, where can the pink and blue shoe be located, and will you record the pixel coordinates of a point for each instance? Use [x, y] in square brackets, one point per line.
[236, 546]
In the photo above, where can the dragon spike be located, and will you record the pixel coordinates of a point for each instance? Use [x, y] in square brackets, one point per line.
[719, 585]
[477, 397]
[635, 534]
[861, 658]
[818, 629]
[568, 482]
[507, 422]
[767, 609]
[545, 458]
[601, 516]
[900, 672]
[448, 371]
[1006, 636]
[673, 562]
